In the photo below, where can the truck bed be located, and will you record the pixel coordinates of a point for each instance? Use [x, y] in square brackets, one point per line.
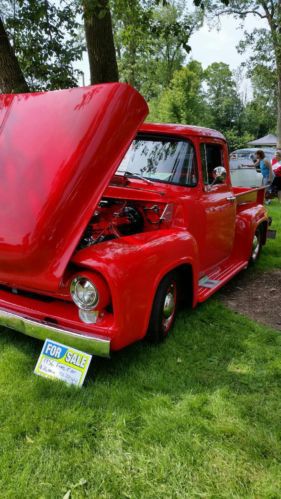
[246, 195]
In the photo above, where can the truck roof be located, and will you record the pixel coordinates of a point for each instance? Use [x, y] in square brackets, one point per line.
[171, 128]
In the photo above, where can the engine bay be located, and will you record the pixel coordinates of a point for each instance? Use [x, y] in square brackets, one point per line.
[115, 218]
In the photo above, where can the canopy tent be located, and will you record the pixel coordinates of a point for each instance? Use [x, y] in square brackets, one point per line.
[268, 140]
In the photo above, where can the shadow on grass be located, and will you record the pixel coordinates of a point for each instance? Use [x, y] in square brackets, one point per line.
[197, 356]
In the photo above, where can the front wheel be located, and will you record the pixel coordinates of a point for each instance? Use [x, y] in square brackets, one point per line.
[256, 245]
[164, 308]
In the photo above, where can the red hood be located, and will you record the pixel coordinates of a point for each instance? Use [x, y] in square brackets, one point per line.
[58, 152]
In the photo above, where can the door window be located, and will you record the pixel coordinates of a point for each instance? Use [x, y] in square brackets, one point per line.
[211, 157]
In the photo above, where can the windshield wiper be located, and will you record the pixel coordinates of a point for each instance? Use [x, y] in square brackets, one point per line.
[137, 175]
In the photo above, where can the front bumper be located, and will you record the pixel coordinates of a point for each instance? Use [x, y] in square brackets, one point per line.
[89, 343]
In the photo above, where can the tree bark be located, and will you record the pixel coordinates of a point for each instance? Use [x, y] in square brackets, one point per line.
[276, 35]
[11, 77]
[279, 106]
[100, 43]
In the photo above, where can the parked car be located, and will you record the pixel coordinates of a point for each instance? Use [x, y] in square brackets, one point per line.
[106, 224]
[242, 169]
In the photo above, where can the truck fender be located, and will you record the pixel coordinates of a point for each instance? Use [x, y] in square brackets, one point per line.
[247, 222]
[133, 266]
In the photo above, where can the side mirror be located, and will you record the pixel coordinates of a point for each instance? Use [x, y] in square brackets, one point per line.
[219, 174]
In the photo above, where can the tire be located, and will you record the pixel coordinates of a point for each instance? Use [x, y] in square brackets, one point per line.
[256, 245]
[164, 308]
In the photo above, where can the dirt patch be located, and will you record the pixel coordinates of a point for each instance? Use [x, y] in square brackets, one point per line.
[256, 295]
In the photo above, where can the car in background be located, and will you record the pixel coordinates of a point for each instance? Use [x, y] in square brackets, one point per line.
[242, 170]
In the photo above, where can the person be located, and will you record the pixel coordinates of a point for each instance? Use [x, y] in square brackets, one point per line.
[275, 187]
[276, 158]
[265, 167]
[266, 171]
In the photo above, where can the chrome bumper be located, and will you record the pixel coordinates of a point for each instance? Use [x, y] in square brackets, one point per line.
[89, 343]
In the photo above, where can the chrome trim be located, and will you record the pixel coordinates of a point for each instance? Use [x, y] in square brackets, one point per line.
[255, 247]
[89, 343]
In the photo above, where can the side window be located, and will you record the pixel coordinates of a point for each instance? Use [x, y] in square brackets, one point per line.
[211, 157]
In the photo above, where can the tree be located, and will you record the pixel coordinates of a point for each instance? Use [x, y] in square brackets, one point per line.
[236, 139]
[266, 43]
[222, 97]
[46, 41]
[11, 77]
[100, 43]
[184, 101]
[152, 41]
[44, 37]
[259, 115]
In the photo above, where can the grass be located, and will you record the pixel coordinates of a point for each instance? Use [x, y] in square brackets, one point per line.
[271, 253]
[198, 416]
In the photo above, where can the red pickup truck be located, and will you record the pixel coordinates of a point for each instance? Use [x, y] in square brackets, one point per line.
[107, 224]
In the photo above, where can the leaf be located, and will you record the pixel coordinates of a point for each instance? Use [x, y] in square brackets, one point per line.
[67, 495]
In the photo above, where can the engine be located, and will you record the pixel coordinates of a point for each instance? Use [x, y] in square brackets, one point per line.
[115, 218]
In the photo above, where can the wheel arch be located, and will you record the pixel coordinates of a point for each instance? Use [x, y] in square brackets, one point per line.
[186, 282]
[186, 272]
[184, 278]
[263, 226]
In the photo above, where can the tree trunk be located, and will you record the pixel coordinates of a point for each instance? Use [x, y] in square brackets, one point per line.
[100, 43]
[279, 107]
[11, 76]
[277, 38]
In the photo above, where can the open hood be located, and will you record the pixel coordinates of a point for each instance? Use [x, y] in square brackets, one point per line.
[58, 152]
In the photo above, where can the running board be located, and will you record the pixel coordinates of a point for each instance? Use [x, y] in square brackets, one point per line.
[219, 276]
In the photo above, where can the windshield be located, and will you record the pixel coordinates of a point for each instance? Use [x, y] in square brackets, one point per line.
[162, 160]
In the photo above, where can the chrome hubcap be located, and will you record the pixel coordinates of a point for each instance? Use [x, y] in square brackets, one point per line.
[255, 247]
[169, 307]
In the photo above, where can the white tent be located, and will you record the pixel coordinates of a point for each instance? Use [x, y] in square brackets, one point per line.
[269, 140]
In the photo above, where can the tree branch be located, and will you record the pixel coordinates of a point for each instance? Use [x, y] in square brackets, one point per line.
[269, 15]
[241, 13]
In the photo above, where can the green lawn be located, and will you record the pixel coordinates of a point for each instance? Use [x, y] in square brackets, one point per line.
[271, 253]
[198, 416]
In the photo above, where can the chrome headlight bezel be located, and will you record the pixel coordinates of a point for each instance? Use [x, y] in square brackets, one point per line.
[83, 281]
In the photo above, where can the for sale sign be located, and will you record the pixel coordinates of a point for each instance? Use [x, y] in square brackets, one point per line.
[61, 362]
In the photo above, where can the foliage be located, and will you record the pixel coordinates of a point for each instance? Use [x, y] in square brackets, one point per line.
[236, 139]
[183, 101]
[46, 40]
[151, 41]
[257, 119]
[222, 96]
[264, 43]
[207, 98]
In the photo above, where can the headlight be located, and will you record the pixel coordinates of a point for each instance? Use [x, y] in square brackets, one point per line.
[84, 293]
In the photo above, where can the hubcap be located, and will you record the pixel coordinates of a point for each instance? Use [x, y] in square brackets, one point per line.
[169, 307]
[255, 247]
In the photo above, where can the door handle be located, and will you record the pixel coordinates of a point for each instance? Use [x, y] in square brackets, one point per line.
[231, 199]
